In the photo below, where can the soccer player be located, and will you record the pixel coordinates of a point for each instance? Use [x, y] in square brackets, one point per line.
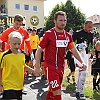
[95, 70]
[71, 65]
[12, 67]
[18, 20]
[55, 42]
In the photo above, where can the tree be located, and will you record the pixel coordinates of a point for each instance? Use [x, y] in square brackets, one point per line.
[75, 19]
[49, 20]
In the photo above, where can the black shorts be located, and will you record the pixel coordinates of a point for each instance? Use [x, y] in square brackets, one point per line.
[27, 58]
[12, 94]
[42, 56]
[34, 51]
[95, 70]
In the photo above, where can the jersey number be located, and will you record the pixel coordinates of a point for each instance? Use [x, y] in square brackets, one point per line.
[54, 84]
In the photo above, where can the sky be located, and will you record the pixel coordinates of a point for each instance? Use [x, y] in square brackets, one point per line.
[88, 7]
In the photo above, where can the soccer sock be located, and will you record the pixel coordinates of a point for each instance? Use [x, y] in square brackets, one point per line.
[69, 75]
[77, 87]
[49, 95]
[82, 81]
[98, 81]
[94, 83]
[57, 97]
[73, 77]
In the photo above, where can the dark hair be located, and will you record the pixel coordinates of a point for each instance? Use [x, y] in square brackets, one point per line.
[18, 18]
[34, 29]
[59, 13]
[88, 21]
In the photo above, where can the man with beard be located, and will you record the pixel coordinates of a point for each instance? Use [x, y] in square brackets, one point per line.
[55, 42]
[83, 36]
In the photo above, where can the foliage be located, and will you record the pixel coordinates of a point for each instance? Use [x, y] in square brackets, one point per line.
[91, 46]
[75, 19]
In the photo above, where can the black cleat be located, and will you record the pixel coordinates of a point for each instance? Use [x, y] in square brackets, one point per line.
[82, 97]
[77, 95]
[68, 80]
[95, 90]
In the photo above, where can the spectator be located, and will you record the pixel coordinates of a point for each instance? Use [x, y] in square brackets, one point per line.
[71, 31]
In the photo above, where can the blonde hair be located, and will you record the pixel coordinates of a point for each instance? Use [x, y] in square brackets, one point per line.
[97, 43]
[15, 34]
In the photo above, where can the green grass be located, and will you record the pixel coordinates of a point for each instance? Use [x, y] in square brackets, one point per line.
[88, 91]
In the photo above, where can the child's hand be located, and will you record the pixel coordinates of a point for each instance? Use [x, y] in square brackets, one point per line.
[37, 71]
[84, 67]
[93, 62]
[1, 88]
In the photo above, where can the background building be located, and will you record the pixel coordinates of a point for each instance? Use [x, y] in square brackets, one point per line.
[32, 10]
[96, 20]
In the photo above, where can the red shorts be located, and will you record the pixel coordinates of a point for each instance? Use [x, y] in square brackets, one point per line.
[54, 76]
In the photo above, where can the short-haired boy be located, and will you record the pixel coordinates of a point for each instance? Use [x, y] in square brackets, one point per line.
[12, 67]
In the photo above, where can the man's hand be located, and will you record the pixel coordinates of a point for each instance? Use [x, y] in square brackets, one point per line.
[93, 62]
[37, 71]
[84, 67]
[27, 53]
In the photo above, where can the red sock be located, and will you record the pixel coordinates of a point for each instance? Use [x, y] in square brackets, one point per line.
[49, 95]
[57, 97]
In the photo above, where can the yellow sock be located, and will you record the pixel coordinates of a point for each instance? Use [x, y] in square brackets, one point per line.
[73, 77]
[69, 75]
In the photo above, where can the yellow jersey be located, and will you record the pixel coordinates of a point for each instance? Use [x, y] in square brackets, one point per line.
[34, 41]
[13, 74]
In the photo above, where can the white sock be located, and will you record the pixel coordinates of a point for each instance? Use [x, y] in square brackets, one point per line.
[82, 79]
[77, 87]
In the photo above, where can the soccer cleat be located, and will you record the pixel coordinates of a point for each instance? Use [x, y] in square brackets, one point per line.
[95, 90]
[98, 87]
[24, 90]
[82, 97]
[74, 83]
[77, 95]
[68, 79]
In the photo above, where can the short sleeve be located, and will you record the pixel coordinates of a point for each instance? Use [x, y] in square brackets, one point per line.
[45, 39]
[71, 43]
[26, 36]
[2, 61]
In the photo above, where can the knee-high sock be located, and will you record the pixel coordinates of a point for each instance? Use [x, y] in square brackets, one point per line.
[73, 77]
[82, 81]
[69, 75]
[77, 87]
[94, 83]
[49, 95]
[98, 81]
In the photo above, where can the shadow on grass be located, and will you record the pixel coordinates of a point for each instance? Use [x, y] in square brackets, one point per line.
[70, 89]
[96, 96]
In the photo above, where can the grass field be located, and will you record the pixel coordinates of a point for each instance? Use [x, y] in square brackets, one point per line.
[88, 84]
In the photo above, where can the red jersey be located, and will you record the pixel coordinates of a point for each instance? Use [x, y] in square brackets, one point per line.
[23, 32]
[54, 54]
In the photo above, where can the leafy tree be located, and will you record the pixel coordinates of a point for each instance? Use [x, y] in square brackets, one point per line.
[75, 19]
[49, 20]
